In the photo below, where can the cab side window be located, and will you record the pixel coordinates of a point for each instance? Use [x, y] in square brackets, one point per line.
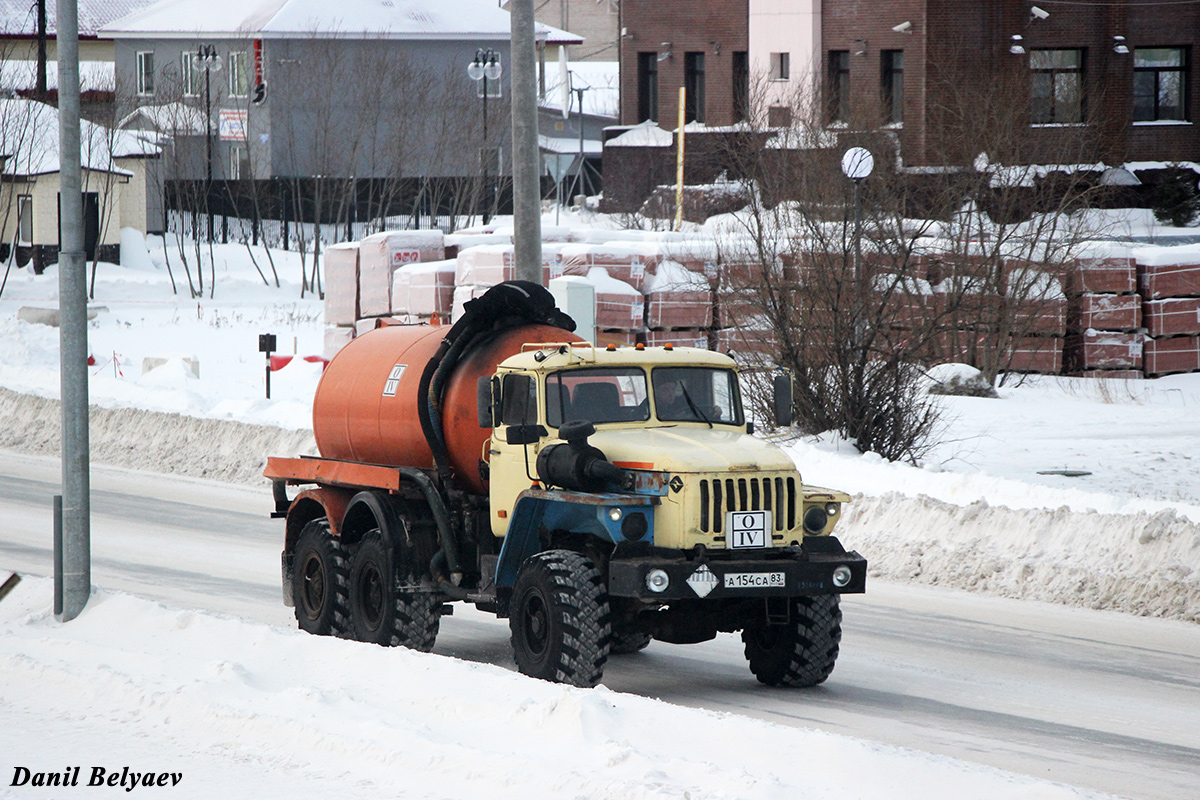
[520, 400]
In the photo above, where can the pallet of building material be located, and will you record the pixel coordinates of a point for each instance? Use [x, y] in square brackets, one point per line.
[678, 338]
[1158, 281]
[463, 295]
[1104, 312]
[619, 306]
[490, 264]
[422, 290]
[336, 337]
[617, 338]
[381, 254]
[755, 344]
[1176, 354]
[631, 262]
[940, 267]
[1102, 350]
[905, 303]
[341, 284]
[965, 303]
[1115, 275]
[1037, 354]
[676, 297]
[1175, 316]
[1040, 317]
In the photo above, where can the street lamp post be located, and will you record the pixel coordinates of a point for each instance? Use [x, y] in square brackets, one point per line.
[857, 164]
[208, 60]
[486, 67]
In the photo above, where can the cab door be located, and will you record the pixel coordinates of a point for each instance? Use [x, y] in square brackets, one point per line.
[513, 465]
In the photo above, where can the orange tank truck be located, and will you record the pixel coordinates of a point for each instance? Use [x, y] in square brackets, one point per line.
[597, 498]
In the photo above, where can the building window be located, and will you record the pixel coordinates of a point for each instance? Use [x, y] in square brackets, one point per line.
[189, 72]
[1160, 84]
[693, 81]
[239, 163]
[24, 220]
[1057, 89]
[781, 66]
[741, 85]
[239, 79]
[145, 72]
[892, 85]
[647, 86]
[839, 86]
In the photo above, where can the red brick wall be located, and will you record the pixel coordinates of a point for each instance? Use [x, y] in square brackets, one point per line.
[717, 28]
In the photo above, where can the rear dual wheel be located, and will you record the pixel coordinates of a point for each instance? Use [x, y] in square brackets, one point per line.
[381, 610]
[319, 582]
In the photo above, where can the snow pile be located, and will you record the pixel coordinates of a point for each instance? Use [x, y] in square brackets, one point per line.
[280, 713]
[1146, 564]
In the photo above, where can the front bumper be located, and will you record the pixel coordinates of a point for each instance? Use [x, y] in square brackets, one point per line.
[790, 572]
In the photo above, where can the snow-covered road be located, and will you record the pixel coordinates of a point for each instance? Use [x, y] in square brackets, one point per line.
[1094, 699]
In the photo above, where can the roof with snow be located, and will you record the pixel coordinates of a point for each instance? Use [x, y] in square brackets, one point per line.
[19, 17]
[375, 19]
[30, 138]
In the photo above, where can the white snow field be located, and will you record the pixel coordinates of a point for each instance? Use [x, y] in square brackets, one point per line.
[247, 709]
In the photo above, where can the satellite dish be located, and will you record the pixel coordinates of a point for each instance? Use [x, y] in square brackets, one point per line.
[857, 163]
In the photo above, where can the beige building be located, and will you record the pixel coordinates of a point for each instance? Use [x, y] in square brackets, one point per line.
[120, 185]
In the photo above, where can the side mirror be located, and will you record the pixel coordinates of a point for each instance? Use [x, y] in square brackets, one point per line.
[524, 434]
[782, 383]
[485, 401]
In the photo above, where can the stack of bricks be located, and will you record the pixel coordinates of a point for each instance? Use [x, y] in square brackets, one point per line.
[1103, 318]
[1037, 310]
[1170, 293]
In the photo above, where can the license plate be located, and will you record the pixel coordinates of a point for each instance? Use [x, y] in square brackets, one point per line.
[748, 528]
[753, 580]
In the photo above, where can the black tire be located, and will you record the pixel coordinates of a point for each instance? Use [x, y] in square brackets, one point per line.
[319, 581]
[802, 652]
[560, 619]
[380, 613]
[626, 642]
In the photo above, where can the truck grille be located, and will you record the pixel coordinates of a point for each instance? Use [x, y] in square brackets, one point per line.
[777, 495]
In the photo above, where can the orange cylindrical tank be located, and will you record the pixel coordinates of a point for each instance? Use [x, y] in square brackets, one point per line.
[365, 407]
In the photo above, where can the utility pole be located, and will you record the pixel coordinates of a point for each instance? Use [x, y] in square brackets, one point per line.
[41, 86]
[75, 563]
[527, 195]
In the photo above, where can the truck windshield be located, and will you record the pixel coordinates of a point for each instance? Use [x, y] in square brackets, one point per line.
[600, 394]
[696, 394]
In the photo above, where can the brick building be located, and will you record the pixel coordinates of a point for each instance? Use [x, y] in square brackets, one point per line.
[701, 46]
[1115, 80]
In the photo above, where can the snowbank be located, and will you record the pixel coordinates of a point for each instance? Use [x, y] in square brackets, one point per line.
[244, 709]
[1147, 564]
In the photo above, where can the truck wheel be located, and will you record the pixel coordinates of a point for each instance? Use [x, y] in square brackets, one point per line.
[382, 614]
[625, 642]
[319, 581]
[560, 619]
[801, 652]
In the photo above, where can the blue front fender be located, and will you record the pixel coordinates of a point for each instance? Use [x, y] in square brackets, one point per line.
[541, 509]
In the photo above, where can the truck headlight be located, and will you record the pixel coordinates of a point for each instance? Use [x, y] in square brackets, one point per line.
[657, 580]
[832, 509]
[815, 520]
[614, 514]
[842, 576]
[634, 526]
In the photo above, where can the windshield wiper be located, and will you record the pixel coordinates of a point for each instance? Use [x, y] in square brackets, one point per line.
[692, 405]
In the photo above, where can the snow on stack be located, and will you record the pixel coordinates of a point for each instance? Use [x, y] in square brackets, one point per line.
[1169, 280]
[1103, 315]
[381, 254]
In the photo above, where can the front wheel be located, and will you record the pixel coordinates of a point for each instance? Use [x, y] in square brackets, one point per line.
[560, 619]
[801, 652]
